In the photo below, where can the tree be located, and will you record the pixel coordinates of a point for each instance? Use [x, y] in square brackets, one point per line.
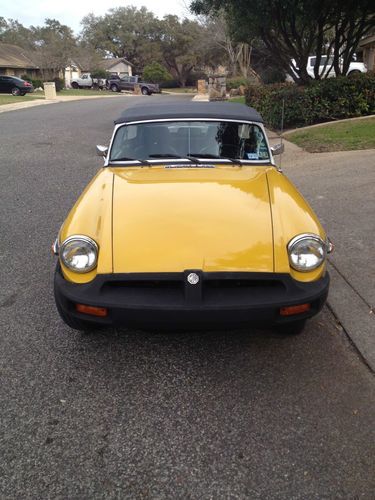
[155, 73]
[182, 46]
[140, 37]
[13, 32]
[54, 45]
[296, 29]
[125, 32]
[238, 54]
[50, 46]
[87, 56]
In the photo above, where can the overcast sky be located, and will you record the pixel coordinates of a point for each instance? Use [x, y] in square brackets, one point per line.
[71, 12]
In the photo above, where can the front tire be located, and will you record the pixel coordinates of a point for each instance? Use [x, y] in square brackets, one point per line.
[114, 88]
[354, 72]
[15, 91]
[294, 328]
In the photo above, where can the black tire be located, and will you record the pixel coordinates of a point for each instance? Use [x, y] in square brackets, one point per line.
[22, 93]
[294, 328]
[75, 85]
[354, 72]
[15, 91]
[145, 91]
[114, 88]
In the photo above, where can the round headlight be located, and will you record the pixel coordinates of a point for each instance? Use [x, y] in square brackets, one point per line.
[79, 253]
[306, 252]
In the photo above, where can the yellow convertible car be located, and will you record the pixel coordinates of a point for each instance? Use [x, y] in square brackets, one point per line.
[190, 225]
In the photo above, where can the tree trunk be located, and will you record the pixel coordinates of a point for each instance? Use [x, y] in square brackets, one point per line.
[244, 57]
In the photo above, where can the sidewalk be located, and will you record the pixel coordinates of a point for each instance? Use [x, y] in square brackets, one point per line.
[339, 186]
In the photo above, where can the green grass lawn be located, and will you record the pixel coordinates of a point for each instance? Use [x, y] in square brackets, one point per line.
[11, 99]
[344, 136]
[240, 99]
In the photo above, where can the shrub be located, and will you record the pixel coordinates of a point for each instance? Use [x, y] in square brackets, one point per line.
[272, 74]
[36, 83]
[59, 84]
[234, 83]
[194, 77]
[321, 101]
[155, 73]
[169, 84]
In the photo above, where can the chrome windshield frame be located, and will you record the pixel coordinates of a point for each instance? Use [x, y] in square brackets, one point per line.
[135, 163]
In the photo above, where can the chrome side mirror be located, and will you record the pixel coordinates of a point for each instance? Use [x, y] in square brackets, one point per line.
[277, 149]
[101, 150]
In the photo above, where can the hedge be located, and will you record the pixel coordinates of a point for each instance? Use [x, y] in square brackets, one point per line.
[36, 83]
[59, 84]
[321, 101]
[234, 83]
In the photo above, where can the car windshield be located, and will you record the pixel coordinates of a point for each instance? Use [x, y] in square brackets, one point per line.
[182, 139]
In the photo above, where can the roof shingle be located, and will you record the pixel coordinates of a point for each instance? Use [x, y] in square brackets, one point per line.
[12, 56]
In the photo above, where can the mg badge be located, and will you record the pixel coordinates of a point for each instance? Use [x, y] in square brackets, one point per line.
[193, 278]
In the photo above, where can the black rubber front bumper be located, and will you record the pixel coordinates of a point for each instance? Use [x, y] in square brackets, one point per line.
[168, 300]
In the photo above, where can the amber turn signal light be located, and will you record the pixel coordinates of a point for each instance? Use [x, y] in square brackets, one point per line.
[291, 310]
[94, 311]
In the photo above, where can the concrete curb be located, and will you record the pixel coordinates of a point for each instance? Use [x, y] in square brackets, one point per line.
[178, 93]
[201, 98]
[354, 314]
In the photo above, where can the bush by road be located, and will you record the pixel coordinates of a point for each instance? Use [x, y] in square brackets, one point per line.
[321, 101]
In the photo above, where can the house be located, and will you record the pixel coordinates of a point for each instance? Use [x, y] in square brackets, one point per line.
[366, 47]
[117, 65]
[73, 70]
[15, 61]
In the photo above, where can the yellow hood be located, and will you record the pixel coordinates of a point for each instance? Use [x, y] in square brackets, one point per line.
[170, 220]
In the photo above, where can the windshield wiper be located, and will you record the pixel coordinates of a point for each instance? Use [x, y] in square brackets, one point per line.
[186, 157]
[166, 155]
[125, 158]
[214, 157]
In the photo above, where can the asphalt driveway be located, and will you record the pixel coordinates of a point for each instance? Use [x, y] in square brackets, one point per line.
[125, 414]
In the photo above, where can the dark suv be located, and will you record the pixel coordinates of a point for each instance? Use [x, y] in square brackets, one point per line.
[117, 84]
[15, 86]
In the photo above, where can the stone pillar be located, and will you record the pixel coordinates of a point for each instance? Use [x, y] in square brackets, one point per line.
[137, 89]
[217, 88]
[201, 85]
[49, 90]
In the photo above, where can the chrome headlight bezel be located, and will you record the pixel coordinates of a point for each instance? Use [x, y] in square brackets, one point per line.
[314, 239]
[82, 240]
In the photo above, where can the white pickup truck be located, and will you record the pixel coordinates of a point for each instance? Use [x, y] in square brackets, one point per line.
[326, 70]
[86, 82]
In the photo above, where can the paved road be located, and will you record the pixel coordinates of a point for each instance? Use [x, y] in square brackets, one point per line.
[126, 414]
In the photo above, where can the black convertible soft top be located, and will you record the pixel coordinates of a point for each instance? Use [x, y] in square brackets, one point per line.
[180, 110]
